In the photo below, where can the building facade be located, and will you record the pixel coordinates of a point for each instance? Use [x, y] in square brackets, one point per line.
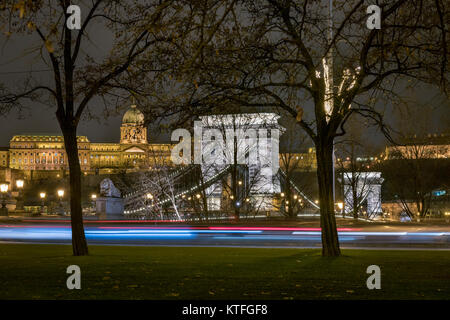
[47, 152]
[431, 146]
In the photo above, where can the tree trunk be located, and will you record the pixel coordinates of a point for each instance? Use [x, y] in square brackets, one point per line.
[355, 198]
[330, 241]
[79, 244]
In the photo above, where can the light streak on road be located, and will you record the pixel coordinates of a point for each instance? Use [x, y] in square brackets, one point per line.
[213, 235]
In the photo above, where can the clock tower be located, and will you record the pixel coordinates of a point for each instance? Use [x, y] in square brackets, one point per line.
[133, 130]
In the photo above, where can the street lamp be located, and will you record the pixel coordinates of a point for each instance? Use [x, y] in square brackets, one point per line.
[4, 190]
[61, 195]
[94, 198]
[42, 196]
[19, 185]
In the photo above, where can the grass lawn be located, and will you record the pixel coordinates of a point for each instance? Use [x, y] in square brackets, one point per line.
[39, 272]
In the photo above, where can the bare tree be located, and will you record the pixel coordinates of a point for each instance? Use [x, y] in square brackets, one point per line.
[416, 165]
[354, 165]
[243, 154]
[80, 73]
[294, 172]
[321, 70]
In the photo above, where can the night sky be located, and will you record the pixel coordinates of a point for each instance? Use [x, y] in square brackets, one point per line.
[15, 62]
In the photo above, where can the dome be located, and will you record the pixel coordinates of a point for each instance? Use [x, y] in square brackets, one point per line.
[133, 116]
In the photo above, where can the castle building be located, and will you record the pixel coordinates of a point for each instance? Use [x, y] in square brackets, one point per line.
[47, 152]
[431, 146]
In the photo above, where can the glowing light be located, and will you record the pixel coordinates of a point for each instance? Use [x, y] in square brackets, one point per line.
[60, 193]
[282, 194]
[149, 196]
[340, 205]
[19, 183]
[93, 196]
[198, 196]
[4, 187]
[42, 195]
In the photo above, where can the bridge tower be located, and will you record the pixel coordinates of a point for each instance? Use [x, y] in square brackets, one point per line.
[244, 149]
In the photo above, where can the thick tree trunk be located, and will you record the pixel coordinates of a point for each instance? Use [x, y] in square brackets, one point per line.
[79, 244]
[355, 200]
[330, 241]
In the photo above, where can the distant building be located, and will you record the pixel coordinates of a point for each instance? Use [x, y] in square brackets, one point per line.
[4, 157]
[432, 146]
[306, 161]
[47, 152]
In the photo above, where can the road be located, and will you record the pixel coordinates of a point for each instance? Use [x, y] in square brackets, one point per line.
[229, 236]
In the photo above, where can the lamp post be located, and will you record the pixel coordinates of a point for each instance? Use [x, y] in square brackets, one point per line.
[4, 190]
[19, 185]
[60, 195]
[340, 205]
[150, 197]
[42, 196]
[94, 202]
